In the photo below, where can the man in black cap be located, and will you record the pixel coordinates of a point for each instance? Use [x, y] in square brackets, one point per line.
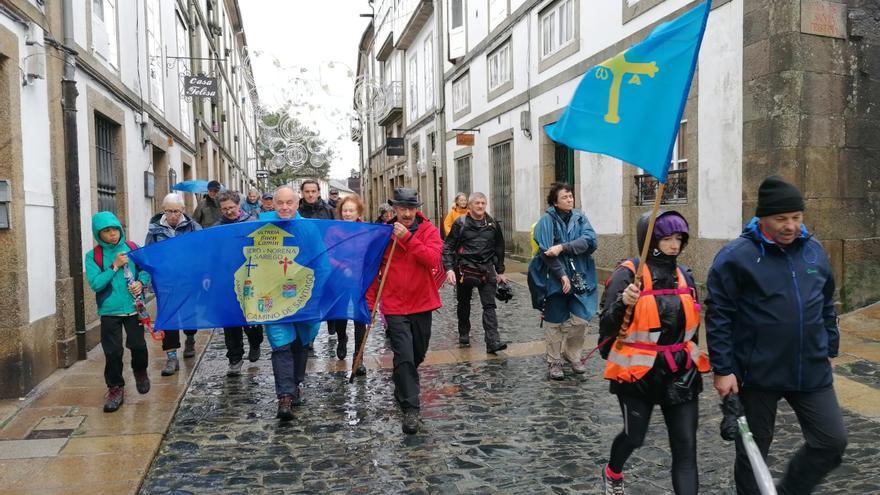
[409, 297]
[207, 212]
[772, 331]
[266, 203]
[334, 198]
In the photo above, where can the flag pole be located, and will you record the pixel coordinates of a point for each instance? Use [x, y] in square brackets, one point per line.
[359, 356]
[627, 317]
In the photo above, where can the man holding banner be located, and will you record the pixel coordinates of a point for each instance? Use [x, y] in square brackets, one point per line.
[410, 296]
[275, 272]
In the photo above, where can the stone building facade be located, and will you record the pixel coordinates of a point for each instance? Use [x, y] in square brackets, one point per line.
[786, 87]
[93, 117]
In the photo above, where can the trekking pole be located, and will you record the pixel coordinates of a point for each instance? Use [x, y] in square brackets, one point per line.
[627, 317]
[358, 358]
[759, 468]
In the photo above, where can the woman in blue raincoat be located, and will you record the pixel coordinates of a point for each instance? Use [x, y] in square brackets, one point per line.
[562, 279]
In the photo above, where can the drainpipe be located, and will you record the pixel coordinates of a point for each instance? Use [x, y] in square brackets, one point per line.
[440, 110]
[69, 94]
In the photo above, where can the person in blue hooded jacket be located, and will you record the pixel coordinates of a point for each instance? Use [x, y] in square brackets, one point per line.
[772, 331]
[106, 268]
[562, 279]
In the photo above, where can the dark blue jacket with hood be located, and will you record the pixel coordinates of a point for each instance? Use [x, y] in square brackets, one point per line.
[771, 317]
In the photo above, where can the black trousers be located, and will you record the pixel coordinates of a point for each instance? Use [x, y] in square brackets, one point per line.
[111, 341]
[681, 426]
[341, 328]
[171, 340]
[410, 335]
[821, 423]
[463, 294]
[234, 338]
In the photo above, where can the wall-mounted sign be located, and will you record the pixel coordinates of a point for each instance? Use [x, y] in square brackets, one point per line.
[262, 174]
[200, 86]
[395, 146]
[823, 18]
[462, 139]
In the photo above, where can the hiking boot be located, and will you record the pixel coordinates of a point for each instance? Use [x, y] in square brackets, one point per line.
[496, 348]
[360, 371]
[172, 366]
[411, 421]
[254, 354]
[189, 347]
[578, 366]
[234, 368]
[341, 349]
[284, 412]
[115, 398]
[142, 381]
[464, 341]
[555, 372]
[611, 486]
[297, 398]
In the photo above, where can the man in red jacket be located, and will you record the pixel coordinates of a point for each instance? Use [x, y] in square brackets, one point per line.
[408, 298]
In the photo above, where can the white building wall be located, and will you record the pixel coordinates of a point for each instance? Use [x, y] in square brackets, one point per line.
[721, 123]
[39, 201]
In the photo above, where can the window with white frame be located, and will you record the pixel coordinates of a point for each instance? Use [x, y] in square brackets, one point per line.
[498, 10]
[461, 94]
[429, 72]
[499, 62]
[154, 54]
[104, 42]
[182, 69]
[413, 96]
[557, 27]
[457, 31]
[679, 150]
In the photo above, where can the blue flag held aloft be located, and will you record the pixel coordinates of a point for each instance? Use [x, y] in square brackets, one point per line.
[278, 271]
[630, 105]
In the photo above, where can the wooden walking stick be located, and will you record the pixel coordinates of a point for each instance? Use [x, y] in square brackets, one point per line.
[359, 357]
[627, 317]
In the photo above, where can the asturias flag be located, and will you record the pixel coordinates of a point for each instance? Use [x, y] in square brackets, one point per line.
[630, 105]
[265, 272]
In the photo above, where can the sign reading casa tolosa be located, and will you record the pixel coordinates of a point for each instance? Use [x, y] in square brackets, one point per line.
[200, 86]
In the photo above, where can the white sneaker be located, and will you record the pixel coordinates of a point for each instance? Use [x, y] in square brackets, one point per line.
[612, 487]
[234, 368]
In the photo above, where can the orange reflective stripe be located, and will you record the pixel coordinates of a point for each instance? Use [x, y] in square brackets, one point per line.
[627, 363]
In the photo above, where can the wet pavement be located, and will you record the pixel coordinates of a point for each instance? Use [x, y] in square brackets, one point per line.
[488, 426]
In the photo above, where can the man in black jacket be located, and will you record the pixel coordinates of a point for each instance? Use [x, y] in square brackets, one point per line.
[312, 205]
[473, 256]
[772, 332]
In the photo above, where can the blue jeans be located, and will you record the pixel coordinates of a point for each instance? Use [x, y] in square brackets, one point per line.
[289, 367]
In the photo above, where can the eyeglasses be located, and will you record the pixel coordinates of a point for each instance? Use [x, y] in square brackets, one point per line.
[229, 208]
[172, 212]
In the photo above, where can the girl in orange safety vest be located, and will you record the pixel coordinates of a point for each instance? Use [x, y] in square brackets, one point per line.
[657, 360]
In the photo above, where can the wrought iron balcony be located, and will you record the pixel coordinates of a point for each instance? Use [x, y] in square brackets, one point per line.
[675, 193]
[393, 104]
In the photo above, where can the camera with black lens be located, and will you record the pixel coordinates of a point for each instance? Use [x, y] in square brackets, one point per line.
[503, 292]
[578, 284]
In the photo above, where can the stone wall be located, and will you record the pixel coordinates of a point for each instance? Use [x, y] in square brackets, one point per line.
[811, 113]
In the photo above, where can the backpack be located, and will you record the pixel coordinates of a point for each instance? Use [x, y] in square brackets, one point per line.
[99, 253]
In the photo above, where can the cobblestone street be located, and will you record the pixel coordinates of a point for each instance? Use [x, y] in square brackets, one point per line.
[488, 426]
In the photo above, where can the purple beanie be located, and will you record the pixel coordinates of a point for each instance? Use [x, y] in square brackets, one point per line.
[670, 223]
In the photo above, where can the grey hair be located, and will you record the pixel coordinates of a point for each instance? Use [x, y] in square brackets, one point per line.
[475, 196]
[229, 196]
[172, 199]
[286, 188]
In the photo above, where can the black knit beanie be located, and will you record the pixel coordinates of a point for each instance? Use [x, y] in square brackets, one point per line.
[775, 195]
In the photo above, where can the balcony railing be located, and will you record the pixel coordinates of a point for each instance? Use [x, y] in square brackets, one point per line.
[675, 193]
[393, 103]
